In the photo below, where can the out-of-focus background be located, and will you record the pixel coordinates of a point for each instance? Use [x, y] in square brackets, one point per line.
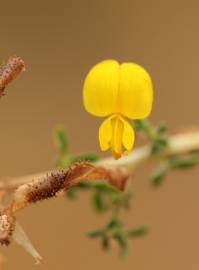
[60, 41]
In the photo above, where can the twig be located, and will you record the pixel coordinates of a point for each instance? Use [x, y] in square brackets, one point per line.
[52, 185]
[178, 144]
[10, 71]
[182, 143]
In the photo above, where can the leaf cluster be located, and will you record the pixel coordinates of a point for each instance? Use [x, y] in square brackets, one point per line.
[159, 142]
[104, 198]
[115, 231]
[157, 135]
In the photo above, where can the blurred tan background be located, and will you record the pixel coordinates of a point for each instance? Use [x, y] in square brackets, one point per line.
[60, 41]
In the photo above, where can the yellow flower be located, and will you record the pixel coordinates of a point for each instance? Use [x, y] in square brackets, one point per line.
[117, 91]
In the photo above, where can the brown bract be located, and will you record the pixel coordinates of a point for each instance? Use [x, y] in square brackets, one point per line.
[54, 184]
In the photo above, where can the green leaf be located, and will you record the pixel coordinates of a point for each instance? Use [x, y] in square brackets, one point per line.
[184, 162]
[113, 223]
[139, 231]
[84, 185]
[125, 201]
[157, 135]
[97, 202]
[162, 128]
[105, 242]
[71, 193]
[104, 187]
[85, 157]
[159, 145]
[62, 161]
[122, 242]
[159, 173]
[61, 139]
[95, 233]
[138, 125]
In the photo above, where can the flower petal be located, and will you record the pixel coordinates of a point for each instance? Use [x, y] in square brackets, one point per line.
[135, 95]
[101, 88]
[128, 137]
[105, 134]
[117, 134]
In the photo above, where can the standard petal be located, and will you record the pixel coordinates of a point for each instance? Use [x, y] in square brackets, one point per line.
[101, 88]
[105, 134]
[128, 137]
[135, 95]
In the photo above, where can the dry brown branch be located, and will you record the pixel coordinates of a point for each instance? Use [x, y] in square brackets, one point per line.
[52, 185]
[9, 71]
